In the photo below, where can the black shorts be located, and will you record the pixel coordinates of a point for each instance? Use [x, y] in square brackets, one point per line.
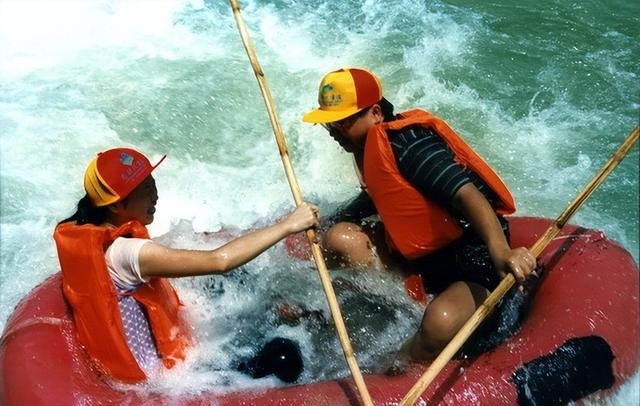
[466, 259]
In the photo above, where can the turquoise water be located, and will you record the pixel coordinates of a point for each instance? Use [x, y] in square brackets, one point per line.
[545, 90]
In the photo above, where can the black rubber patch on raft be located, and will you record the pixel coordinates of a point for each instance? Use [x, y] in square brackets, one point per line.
[280, 357]
[577, 368]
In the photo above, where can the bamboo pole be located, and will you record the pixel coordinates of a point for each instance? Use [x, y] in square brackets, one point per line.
[297, 195]
[507, 282]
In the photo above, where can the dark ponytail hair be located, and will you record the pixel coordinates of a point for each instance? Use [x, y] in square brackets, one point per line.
[87, 213]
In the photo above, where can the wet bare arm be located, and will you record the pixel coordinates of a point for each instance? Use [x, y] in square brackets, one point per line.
[519, 261]
[160, 261]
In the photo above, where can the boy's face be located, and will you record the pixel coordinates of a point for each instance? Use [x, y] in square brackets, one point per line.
[351, 132]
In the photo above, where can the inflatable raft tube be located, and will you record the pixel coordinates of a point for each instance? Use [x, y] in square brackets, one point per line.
[579, 341]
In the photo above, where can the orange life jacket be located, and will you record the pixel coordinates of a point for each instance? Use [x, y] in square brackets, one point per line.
[415, 225]
[90, 291]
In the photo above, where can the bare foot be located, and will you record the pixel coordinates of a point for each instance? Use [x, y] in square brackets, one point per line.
[292, 313]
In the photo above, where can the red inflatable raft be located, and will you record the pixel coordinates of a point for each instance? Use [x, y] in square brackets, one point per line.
[578, 341]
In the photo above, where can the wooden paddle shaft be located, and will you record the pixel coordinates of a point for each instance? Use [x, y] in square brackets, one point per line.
[507, 282]
[297, 195]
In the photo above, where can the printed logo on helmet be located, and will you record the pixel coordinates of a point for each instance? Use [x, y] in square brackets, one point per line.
[136, 168]
[328, 97]
[126, 159]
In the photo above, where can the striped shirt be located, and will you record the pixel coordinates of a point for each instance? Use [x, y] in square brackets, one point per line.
[427, 162]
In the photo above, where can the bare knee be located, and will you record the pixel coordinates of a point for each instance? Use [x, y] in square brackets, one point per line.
[347, 243]
[448, 312]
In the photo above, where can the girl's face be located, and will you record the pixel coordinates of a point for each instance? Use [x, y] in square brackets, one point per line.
[140, 204]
